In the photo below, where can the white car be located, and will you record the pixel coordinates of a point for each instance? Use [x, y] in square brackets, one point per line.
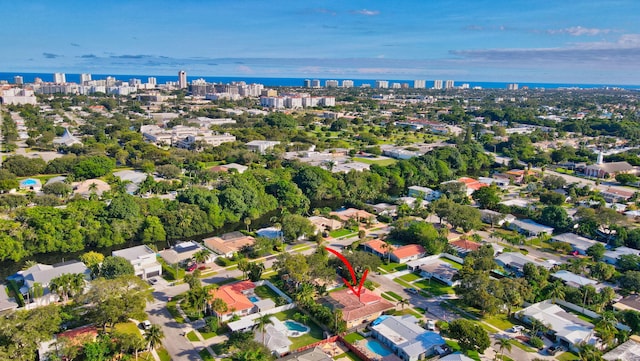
[146, 324]
[516, 328]
[431, 325]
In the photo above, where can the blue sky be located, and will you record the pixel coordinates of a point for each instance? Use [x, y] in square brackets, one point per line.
[580, 41]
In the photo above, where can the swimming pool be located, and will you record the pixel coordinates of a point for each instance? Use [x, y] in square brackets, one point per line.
[295, 329]
[377, 348]
[253, 299]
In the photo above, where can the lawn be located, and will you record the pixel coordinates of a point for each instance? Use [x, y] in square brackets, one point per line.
[387, 297]
[191, 336]
[350, 355]
[381, 162]
[163, 354]
[353, 337]
[393, 267]
[341, 233]
[434, 287]
[265, 291]
[173, 310]
[129, 328]
[500, 321]
[522, 346]
[205, 355]
[455, 265]
[407, 311]
[455, 347]
[312, 336]
[207, 335]
[395, 295]
[410, 277]
[567, 356]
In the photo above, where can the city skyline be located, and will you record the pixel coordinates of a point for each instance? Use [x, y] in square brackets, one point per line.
[545, 41]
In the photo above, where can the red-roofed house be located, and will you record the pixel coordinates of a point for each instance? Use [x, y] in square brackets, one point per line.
[377, 247]
[407, 253]
[358, 310]
[79, 336]
[235, 296]
[471, 184]
[464, 246]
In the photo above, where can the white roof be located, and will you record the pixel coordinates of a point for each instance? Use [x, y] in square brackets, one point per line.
[575, 240]
[45, 274]
[616, 253]
[518, 260]
[275, 340]
[133, 253]
[565, 325]
[456, 357]
[405, 333]
[531, 226]
[628, 351]
[574, 279]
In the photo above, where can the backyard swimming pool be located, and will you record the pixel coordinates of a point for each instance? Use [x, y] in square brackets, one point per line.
[295, 329]
[253, 299]
[377, 348]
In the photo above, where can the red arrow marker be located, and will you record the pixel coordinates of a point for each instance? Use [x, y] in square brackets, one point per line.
[352, 272]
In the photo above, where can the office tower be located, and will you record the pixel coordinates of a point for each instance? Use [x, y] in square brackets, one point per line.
[37, 80]
[382, 84]
[18, 80]
[396, 85]
[315, 83]
[134, 81]
[307, 83]
[85, 78]
[512, 86]
[151, 81]
[419, 84]
[347, 83]
[110, 81]
[331, 83]
[448, 84]
[437, 84]
[59, 78]
[405, 85]
[182, 79]
[465, 86]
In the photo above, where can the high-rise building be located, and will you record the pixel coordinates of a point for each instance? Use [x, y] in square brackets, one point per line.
[382, 84]
[307, 83]
[182, 79]
[347, 83]
[419, 84]
[37, 80]
[449, 84]
[437, 84]
[151, 81]
[59, 78]
[512, 86]
[365, 85]
[465, 86]
[18, 80]
[85, 78]
[396, 85]
[331, 83]
[315, 83]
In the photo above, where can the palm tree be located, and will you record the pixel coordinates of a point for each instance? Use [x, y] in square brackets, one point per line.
[305, 294]
[261, 323]
[138, 344]
[388, 248]
[607, 328]
[557, 291]
[219, 307]
[403, 302]
[201, 256]
[37, 291]
[503, 343]
[153, 336]
[589, 353]
[28, 264]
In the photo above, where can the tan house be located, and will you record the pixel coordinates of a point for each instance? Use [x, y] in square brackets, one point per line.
[356, 310]
[352, 213]
[323, 224]
[229, 243]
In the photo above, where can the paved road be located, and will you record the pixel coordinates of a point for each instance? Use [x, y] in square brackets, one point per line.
[174, 342]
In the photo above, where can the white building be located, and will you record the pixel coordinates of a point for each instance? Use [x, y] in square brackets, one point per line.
[419, 84]
[59, 78]
[449, 84]
[408, 340]
[17, 96]
[85, 78]
[425, 193]
[182, 79]
[381, 84]
[261, 146]
[143, 259]
[437, 84]
[42, 274]
[347, 83]
[331, 83]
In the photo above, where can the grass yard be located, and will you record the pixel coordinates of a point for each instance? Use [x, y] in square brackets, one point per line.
[434, 287]
[350, 355]
[217, 348]
[191, 336]
[381, 162]
[394, 295]
[407, 311]
[500, 321]
[265, 291]
[402, 283]
[314, 335]
[455, 265]
[205, 355]
[207, 335]
[353, 337]
[341, 233]
[410, 277]
[455, 347]
[173, 310]
[163, 354]
[387, 297]
[567, 356]
[129, 328]
[522, 346]
[393, 267]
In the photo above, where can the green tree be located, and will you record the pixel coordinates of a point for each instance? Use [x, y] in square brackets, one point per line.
[261, 322]
[8, 180]
[114, 267]
[59, 189]
[470, 335]
[487, 197]
[554, 216]
[22, 166]
[596, 251]
[92, 260]
[93, 167]
[502, 343]
[295, 226]
[153, 230]
[625, 178]
[556, 292]
[153, 335]
[22, 331]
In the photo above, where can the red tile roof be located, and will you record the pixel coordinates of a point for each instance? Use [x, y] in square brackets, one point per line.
[466, 244]
[408, 251]
[354, 308]
[232, 295]
[472, 183]
[378, 245]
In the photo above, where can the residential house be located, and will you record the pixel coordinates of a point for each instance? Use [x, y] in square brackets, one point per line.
[408, 340]
[578, 244]
[356, 310]
[275, 339]
[42, 274]
[570, 331]
[143, 259]
[424, 193]
[627, 351]
[312, 354]
[181, 253]
[324, 224]
[464, 246]
[612, 256]
[631, 302]
[573, 280]
[385, 209]
[501, 183]
[530, 228]
[456, 356]
[496, 218]
[616, 195]
[91, 186]
[378, 247]
[229, 244]
[471, 185]
[261, 146]
[6, 303]
[240, 299]
[433, 267]
[517, 175]
[228, 168]
[407, 253]
[515, 261]
[356, 214]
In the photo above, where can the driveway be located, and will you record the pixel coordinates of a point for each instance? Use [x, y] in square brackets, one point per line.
[174, 342]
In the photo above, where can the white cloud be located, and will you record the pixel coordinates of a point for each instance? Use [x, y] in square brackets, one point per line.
[366, 12]
[580, 31]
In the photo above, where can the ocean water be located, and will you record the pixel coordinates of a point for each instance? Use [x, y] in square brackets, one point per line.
[298, 82]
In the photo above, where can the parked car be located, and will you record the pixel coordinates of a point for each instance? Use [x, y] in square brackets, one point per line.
[152, 281]
[146, 324]
[516, 328]
[552, 350]
[431, 325]
[192, 267]
[413, 291]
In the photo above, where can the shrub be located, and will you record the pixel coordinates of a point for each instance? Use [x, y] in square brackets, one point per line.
[536, 342]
